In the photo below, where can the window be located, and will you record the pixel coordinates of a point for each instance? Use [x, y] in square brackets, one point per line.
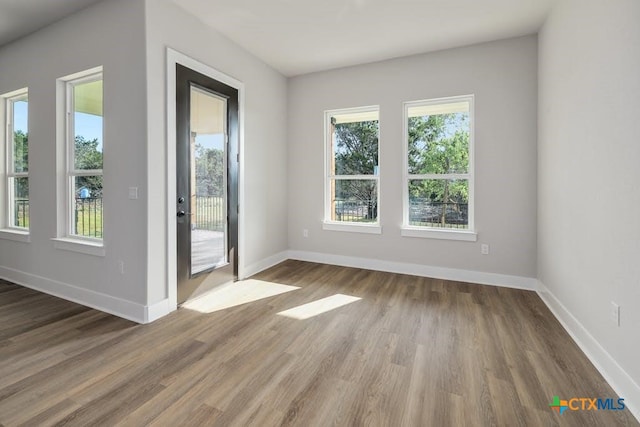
[438, 186]
[84, 147]
[16, 152]
[352, 180]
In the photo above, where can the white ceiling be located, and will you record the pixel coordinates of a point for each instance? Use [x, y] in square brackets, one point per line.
[21, 17]
[302, 36]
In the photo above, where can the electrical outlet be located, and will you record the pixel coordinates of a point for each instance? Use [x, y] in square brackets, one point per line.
[614, 313]
[484, 249]
[305, 233]
[121, 266]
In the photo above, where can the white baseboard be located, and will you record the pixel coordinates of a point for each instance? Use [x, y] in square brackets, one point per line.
[479, 277]
[263, 264]
[157, 310]
[119, 307]
[618, 379]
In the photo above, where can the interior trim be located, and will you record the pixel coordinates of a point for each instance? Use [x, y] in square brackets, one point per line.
[612, 372]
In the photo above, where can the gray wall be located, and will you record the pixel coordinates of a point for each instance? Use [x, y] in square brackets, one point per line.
[503, 77]
[588, 198]
[108, 34]
[129, 39]
[265, 150]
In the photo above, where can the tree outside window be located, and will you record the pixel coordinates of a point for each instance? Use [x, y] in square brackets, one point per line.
[438, 174]
[352, 180]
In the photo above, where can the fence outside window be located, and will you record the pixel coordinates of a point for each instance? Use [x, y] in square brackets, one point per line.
[425, 213]
[21, 213]
[88, 217]
[356, 210]
[209, 213]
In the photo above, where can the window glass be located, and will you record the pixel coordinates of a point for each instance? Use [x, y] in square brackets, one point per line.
[438, 186]
[85, 145]
[17, 152]
[353, 179]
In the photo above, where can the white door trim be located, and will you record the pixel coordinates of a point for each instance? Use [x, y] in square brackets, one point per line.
[174, 57]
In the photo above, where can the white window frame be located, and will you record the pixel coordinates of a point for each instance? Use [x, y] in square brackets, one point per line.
[328, 223]
[9, 230]
[468, 234]
[66, 136]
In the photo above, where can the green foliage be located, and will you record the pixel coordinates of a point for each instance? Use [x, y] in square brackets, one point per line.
[356, 148]
[21, 163]
[439, 144]
[20, 151]
[209, 171]
[356, 153]
[210, 203]
[87, 156]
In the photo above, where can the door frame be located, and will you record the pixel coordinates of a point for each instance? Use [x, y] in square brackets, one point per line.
[174, 57]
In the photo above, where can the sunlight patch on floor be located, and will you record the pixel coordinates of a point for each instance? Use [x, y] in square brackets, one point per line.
[235, 294]
[320, 306]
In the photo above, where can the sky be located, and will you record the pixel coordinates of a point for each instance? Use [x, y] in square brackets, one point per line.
[90, 127]
[20, 116]
[211, 140]
[87, 125]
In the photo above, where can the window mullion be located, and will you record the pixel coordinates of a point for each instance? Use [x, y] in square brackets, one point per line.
[86, 172]
[440, 176]
[17, 174]
[355, 177]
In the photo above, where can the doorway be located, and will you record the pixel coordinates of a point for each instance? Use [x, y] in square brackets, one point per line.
[206, 183]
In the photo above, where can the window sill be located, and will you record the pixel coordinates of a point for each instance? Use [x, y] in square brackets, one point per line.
[15, 235]
[463, 235]
[352, 227]
[80, 246]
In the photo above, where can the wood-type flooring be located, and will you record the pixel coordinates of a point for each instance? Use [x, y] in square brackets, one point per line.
[412, 351]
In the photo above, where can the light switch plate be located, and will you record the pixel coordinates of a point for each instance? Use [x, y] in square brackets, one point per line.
[133, 193]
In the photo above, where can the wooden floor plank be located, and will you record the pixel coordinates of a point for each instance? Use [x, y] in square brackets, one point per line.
[412, 351]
